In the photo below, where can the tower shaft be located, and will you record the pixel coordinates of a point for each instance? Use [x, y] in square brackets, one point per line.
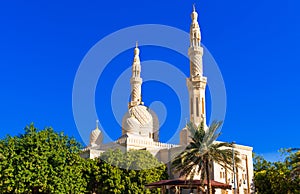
[196, 83]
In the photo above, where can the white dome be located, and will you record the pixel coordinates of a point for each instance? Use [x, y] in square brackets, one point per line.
[141, 121]
[96, 137]
[142, 115]
[131, 124]
[155, 125]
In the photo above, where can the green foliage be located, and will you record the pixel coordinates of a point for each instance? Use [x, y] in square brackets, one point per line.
[275, 177]
[127, 173]
[294, 161]
[40, 162]
[49, 162]
[202, 151]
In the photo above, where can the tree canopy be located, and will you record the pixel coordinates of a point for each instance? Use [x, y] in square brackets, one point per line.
[294, 161]
[127, 172]
[41, 162]
[44, 161]
[276, 177]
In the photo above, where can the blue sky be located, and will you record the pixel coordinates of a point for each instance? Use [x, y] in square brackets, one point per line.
[255, 44]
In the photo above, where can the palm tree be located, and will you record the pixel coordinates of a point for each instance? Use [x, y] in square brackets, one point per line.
[203, 149]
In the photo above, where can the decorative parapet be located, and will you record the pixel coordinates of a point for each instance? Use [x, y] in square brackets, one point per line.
[143, 142]
[149, 144]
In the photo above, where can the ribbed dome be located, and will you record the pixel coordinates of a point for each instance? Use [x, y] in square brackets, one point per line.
[142, 115]
[141, 121]
[131, 124]
[96, 137]
[155, 125]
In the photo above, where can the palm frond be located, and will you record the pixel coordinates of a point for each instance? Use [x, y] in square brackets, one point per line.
[203, 149]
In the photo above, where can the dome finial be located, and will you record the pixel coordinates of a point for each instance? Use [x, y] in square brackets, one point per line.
[136, 44]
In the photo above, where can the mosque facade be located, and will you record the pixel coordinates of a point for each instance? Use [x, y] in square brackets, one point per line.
[140, 125]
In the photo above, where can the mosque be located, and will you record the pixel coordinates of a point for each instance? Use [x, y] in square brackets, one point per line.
[140, 125]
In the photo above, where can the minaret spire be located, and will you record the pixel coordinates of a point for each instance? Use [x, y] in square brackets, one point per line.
[136, 80]
[196, 82]
[195, 50]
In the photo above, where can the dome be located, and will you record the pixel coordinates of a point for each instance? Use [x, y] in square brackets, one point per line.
[141, 121]
[143, 116]
[155, 125]
[131, 124]
[96, 137]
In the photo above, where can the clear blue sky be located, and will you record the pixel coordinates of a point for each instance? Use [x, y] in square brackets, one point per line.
[255, 43]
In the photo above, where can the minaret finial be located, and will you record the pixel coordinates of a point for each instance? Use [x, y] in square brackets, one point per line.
[136, 49]
[97, 124]
[194, 7]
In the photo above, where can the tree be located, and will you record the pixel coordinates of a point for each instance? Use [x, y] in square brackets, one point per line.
[274, 177]
[198, 156]
[41, 162]
[118, 172]
[49, 162]
[294, 161]
[260, 166]
[103, 177]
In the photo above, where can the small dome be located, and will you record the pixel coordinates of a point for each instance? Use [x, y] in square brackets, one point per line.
[96, 137]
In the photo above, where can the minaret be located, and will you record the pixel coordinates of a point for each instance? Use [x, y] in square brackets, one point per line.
[136, 80]
[196, 83]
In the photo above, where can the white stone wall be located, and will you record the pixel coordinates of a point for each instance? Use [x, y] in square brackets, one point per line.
[244, 172]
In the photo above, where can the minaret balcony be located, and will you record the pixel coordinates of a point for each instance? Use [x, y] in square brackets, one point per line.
[195, 50]
[198, 78]
[136, 80]
[135, 103]
[197, 82]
